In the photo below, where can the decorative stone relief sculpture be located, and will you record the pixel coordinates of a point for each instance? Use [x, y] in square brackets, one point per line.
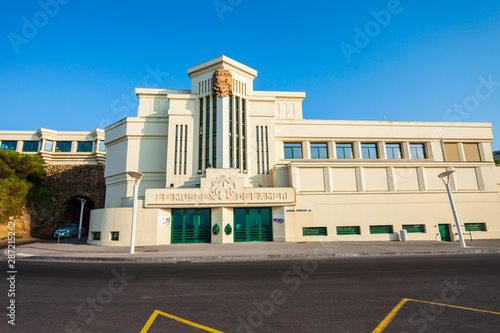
[222, 188]
[223, 82]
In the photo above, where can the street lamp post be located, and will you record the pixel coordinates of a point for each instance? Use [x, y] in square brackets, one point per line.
[447, 175]
[83, 201]
[136, 176]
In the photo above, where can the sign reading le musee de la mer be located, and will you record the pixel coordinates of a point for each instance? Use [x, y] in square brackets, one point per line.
[221, 187]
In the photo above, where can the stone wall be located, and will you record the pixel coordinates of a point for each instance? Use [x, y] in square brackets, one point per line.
[66, 182]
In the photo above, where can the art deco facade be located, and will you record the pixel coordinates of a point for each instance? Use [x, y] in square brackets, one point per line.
[224, 163]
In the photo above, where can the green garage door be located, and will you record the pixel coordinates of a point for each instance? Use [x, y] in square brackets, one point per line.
[191, 226]
[252, 225]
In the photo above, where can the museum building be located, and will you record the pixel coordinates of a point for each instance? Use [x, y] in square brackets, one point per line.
[223, 163]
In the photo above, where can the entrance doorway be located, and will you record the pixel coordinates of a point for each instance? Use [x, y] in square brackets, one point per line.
[252, 225]
[191, 225]
[72, 209]
[444, 232]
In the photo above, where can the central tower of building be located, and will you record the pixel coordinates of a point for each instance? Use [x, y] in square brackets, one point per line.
[221, 119]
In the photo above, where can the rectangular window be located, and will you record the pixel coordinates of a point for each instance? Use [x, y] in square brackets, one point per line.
[293, 150]
[85, 146]
[393, 150]
[414, 228]
[102, 146]
[9, 145]
[451, 152]
[381, 229]
[344, 150]
[314, 231]
[176, 154]
[231, 161]
[30, 146]
[243, 134]
[49, 145]
[185, 147]
[267, 150]
[207, 132]
[214, 136]
[471, 151]
[417, 151]
[63, 146]
[115, 235]
[353, 230]
[475, 226]
[95, 235]
[200, 141]
[319, 151]
[369, 150]
[237, 131]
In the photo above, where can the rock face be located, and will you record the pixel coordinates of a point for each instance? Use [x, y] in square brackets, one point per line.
[66, 183]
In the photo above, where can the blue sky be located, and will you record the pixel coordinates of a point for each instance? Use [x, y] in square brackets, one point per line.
[74, 65]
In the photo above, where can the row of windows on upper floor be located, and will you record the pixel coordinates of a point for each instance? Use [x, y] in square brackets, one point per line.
[60, 146]
[319, 150]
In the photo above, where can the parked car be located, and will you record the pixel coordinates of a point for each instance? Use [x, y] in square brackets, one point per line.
[68, 230]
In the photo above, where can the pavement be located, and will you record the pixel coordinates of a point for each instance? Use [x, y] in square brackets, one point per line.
[79, 250]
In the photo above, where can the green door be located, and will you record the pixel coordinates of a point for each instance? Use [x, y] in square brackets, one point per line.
[252, 225]
[191, 226]
[444, 231]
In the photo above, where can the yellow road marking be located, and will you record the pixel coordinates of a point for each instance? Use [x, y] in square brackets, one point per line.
[394, 311]
[389, 317]
[184, 321]
[458, 307]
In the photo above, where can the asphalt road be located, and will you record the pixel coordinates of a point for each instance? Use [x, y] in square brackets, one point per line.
[334, 295]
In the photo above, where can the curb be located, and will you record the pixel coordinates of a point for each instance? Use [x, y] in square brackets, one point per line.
[250, 257]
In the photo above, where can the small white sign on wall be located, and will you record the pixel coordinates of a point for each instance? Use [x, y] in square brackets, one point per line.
[279, 218]
[163, 220]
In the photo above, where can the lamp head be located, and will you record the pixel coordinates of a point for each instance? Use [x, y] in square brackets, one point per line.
[135, 174]
[446, 173]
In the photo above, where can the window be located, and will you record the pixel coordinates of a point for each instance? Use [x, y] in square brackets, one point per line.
[417, 151]
[95, 235]
[381, 229]
[451, 152]
[115, 235]
[344, 150]
[354, 230]
[414, 228]
[471, 151]
[318, 151]
[48, 145]
[293, 150]
[393, 150]
[475, 226]
[369, 150]
[102, 146]
[314, 231]
[30, 146]
[262, 150]
[9, 145]
[85, 146]
[63, 146]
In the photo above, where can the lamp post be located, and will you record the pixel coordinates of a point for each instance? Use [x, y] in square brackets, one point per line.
[136, 176]
[83, 201]
[447, 175]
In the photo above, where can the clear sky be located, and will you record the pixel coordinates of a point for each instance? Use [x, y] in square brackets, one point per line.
[74, 64]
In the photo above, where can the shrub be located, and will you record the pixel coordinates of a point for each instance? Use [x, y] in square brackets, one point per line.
[21, 181]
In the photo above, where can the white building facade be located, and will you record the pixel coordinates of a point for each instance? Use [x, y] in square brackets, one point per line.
[223, 163]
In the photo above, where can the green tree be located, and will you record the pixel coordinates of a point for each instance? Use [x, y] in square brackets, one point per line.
[497, 161]
[21, 181]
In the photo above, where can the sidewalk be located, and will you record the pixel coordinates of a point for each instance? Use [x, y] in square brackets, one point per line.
[78, 250]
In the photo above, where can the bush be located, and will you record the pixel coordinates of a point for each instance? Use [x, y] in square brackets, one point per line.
[21, 181]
